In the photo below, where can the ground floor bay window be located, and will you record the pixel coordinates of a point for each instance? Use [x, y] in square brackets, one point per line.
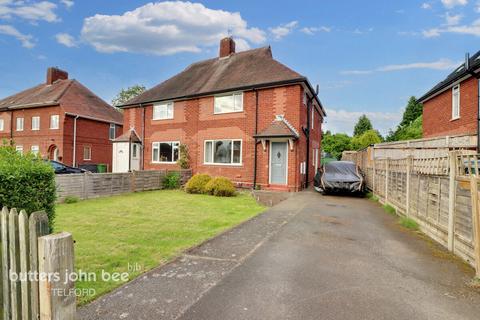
[226, 152]
[165, 152]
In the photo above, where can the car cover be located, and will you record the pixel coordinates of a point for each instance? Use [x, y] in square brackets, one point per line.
[339, 175]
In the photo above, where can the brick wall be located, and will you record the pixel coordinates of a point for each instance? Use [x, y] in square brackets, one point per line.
[437, 112]
[194, 122]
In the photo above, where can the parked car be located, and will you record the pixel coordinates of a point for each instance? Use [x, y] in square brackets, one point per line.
[339, 176]
[61, 168]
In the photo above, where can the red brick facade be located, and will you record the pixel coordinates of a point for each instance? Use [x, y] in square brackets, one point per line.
[194, 122]
[437, 112]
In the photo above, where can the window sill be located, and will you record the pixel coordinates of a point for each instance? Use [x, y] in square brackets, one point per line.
[156, 162]
[453, 119]
[219, 113]
[162, 119]
[224, 164]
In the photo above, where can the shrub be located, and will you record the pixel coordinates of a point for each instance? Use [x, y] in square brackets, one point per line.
[26, 182]
[220, 187]
[197, 183]
[171, 180]
[70, 199]
[184, 159]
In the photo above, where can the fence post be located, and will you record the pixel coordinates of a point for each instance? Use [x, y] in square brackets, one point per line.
[387, 169]
[15, 297]
[373, 175]
[452, 160]
[409, 170]
[5, 265]
[476, 223]
[24, 248]
[57, 300]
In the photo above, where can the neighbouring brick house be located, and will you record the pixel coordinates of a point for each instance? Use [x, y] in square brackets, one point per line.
[61, 120]
[242, 115]
[451, 107]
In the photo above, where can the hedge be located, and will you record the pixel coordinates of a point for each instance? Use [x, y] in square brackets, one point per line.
[197, 183]
[26, 182]
[220, 187]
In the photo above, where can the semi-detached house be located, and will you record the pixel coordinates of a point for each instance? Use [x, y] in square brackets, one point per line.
[242, 115]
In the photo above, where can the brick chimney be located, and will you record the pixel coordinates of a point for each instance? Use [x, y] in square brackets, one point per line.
[54, 74]
[227, 47]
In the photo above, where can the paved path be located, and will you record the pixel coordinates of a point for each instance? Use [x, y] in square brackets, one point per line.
[310, 257]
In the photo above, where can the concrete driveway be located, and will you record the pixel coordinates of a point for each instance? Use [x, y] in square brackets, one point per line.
[310, 257]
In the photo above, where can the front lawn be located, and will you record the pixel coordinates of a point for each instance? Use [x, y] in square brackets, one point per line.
[144, 229]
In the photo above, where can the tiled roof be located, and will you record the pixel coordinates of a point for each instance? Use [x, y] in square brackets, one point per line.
[71, 95]
[130, 135]
[278, 128]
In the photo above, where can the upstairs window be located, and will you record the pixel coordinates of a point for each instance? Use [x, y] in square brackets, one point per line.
[313, 117]
[228, 103]
[19, 124]
[163, 111]
[111, 132]
[2, 124]
[456, 102]
[54, 121]
[165, 152]
[35, 123]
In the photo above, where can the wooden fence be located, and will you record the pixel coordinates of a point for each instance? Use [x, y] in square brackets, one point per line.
[93, 185]
[437, 193]
[28, 253]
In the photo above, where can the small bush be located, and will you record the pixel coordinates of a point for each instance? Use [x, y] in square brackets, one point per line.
[409, 223]
[26, 182]
[389, 209]
[70, 199]
[184, 159]
[171, 180]
[220, 187]
[197, 183]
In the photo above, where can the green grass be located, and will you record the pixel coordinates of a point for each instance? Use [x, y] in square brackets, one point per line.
[372, 197]
[147, 229]
[389, 209]
[409, 223]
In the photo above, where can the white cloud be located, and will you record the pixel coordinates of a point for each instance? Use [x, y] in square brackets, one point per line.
[452, 20]
[471, 29]
[453, 3]
[477, 7]
[360, 31]
[313, 30]
[442, 64]
[165, 28]
[340, 120]
[32, 11]
[26, 40]
[283, 30]
[426, 6]
[68, 3]
[66, 39]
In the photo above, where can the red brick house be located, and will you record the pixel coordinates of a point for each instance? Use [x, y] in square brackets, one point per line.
[242, 115]
[61, 120]
[452, 106]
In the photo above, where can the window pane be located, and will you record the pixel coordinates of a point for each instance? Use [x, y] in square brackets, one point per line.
[155, 152]
[170, 110]
[224, 104]
[223, 151]
[35, 123]
[1, 124]
[156, 112]
[208, 152]
[165, 152]
[237, 151]
[238, 102]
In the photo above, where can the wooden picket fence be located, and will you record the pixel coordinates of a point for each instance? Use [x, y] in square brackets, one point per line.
[29, 253]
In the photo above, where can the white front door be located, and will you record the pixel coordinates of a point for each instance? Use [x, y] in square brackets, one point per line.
[278, 162]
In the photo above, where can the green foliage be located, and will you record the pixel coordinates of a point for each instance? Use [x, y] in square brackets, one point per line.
[413, 110]
[184, 158]
[26, 182]
[409, 223]
[220, 187]
[389, 209]
[335, 144]
[126, 94]
[171, 180]
[70, 199]
[363, 125]
[197, 183]
[411, 125]
[366, 139]
[372, 197]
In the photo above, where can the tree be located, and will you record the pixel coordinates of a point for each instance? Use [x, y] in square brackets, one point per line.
[410, 127]
[366, 139]
[413, 110]
[126, 94]
[335, 144]
[363, 125]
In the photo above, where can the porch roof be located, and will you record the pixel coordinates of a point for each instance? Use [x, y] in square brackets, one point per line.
[130, 135]
[280, 128]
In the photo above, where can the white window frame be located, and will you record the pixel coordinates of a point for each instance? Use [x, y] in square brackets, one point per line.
[313, 117]
[19, 148]
[89, 148]
[457, 100]
[36, 120]
[156, 116]
[157, 144]
[54, 122]
[233, 94]
[213, 153]
[35, 147]
[20, 120]
[114, 127]
[2, 124]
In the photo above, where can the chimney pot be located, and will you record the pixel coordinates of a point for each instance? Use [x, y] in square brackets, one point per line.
[227, 47]
[54, 74]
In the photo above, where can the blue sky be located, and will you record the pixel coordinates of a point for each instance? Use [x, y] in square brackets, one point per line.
[367, 56]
